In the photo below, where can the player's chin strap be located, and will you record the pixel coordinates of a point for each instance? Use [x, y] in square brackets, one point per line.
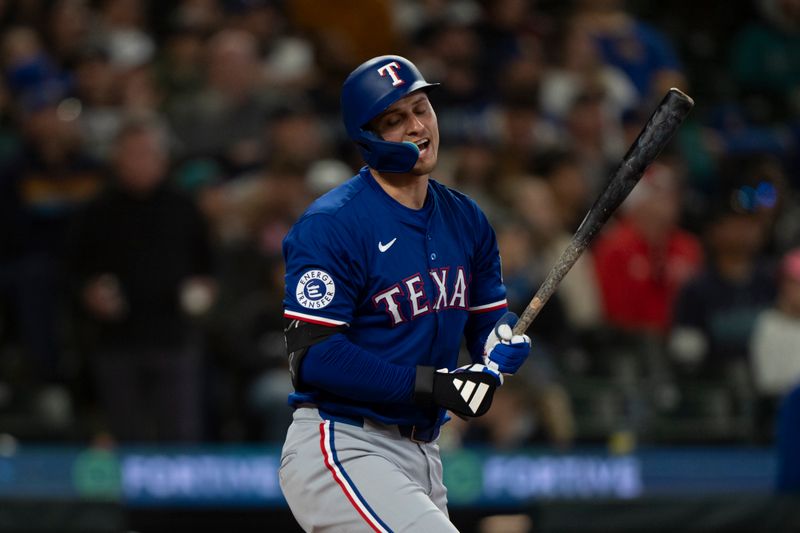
[466, 391]
[386, 156]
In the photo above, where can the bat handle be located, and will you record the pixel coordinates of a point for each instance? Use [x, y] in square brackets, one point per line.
[550, 284]
[527, 316]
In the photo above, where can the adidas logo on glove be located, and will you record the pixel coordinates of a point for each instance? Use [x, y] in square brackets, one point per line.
[467, 388]
[466, 391]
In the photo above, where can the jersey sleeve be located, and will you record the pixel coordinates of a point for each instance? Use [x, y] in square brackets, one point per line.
[487, 293]
[321, 280]
[338, 366]
[486, 290]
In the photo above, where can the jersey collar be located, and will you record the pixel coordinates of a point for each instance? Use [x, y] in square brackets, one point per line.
[414, 217]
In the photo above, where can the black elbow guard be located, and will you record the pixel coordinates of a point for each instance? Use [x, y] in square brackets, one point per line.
[299, 337]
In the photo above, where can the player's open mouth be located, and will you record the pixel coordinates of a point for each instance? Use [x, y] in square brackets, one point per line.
[423, 145]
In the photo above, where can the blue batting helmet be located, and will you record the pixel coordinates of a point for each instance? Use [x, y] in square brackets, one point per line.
[366, 93]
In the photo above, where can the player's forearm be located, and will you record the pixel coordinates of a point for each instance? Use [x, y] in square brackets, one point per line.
[478, 328]
[340, 367]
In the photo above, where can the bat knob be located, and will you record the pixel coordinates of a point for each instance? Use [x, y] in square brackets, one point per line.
[682, 95]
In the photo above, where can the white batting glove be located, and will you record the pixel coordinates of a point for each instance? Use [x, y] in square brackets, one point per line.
[505, 352]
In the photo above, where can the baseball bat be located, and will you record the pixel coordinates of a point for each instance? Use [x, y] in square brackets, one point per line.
[658, 131]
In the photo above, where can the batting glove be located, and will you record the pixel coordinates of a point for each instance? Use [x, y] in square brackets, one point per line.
[504, 351]
[467, 391]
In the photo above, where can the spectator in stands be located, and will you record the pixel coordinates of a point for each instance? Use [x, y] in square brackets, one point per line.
[473, 167]
[638, 49]
[251, 214]
[520, 128]
[67, 30]
[570, 187]
[45, 179]
[121, 28]
[716, 311]
[766, 188]
[594, 138]
[180, 65]
[765, 61]
[644, 260]
[776, 336]
[578, 68]
[508, 33]
[141, 269]
[522, 274]
[242, 209]
[457, 51]
[28, 66]
[774, 359]
[348, 28]
[578, 293]
[451, 51]
[98, 92]
[226, 120]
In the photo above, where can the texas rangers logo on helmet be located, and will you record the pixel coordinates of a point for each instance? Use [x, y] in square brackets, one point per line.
[315, 289]
[391, 69]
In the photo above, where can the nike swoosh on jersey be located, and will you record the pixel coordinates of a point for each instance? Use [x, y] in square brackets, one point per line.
[383, 247]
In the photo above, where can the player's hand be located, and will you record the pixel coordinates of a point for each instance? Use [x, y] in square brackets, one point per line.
[467, 391]
[504, 351]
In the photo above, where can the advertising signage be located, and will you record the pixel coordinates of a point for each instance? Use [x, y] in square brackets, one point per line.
[223, 476]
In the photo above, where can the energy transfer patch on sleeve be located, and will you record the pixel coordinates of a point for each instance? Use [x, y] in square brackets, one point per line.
[315, 289]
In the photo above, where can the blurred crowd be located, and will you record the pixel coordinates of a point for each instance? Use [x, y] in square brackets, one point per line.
[154, 154]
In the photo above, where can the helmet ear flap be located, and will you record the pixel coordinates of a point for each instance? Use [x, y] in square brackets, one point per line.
[385, 156]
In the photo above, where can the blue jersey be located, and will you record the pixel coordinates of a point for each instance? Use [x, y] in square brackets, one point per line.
[407, 284]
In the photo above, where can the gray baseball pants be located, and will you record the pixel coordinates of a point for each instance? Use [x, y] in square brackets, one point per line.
[341, 477]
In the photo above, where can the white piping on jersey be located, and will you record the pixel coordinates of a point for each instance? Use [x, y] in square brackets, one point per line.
[489, 307]
[331, 322]
[314, 319]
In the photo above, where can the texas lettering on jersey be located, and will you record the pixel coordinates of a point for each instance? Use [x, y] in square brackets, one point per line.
[450, 294]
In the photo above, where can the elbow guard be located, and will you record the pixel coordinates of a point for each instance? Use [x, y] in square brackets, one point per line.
[299, 337]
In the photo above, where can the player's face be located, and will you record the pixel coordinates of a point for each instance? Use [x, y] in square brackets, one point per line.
[412, 119]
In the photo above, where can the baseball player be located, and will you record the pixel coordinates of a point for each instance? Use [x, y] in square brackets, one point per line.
[385, 275]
